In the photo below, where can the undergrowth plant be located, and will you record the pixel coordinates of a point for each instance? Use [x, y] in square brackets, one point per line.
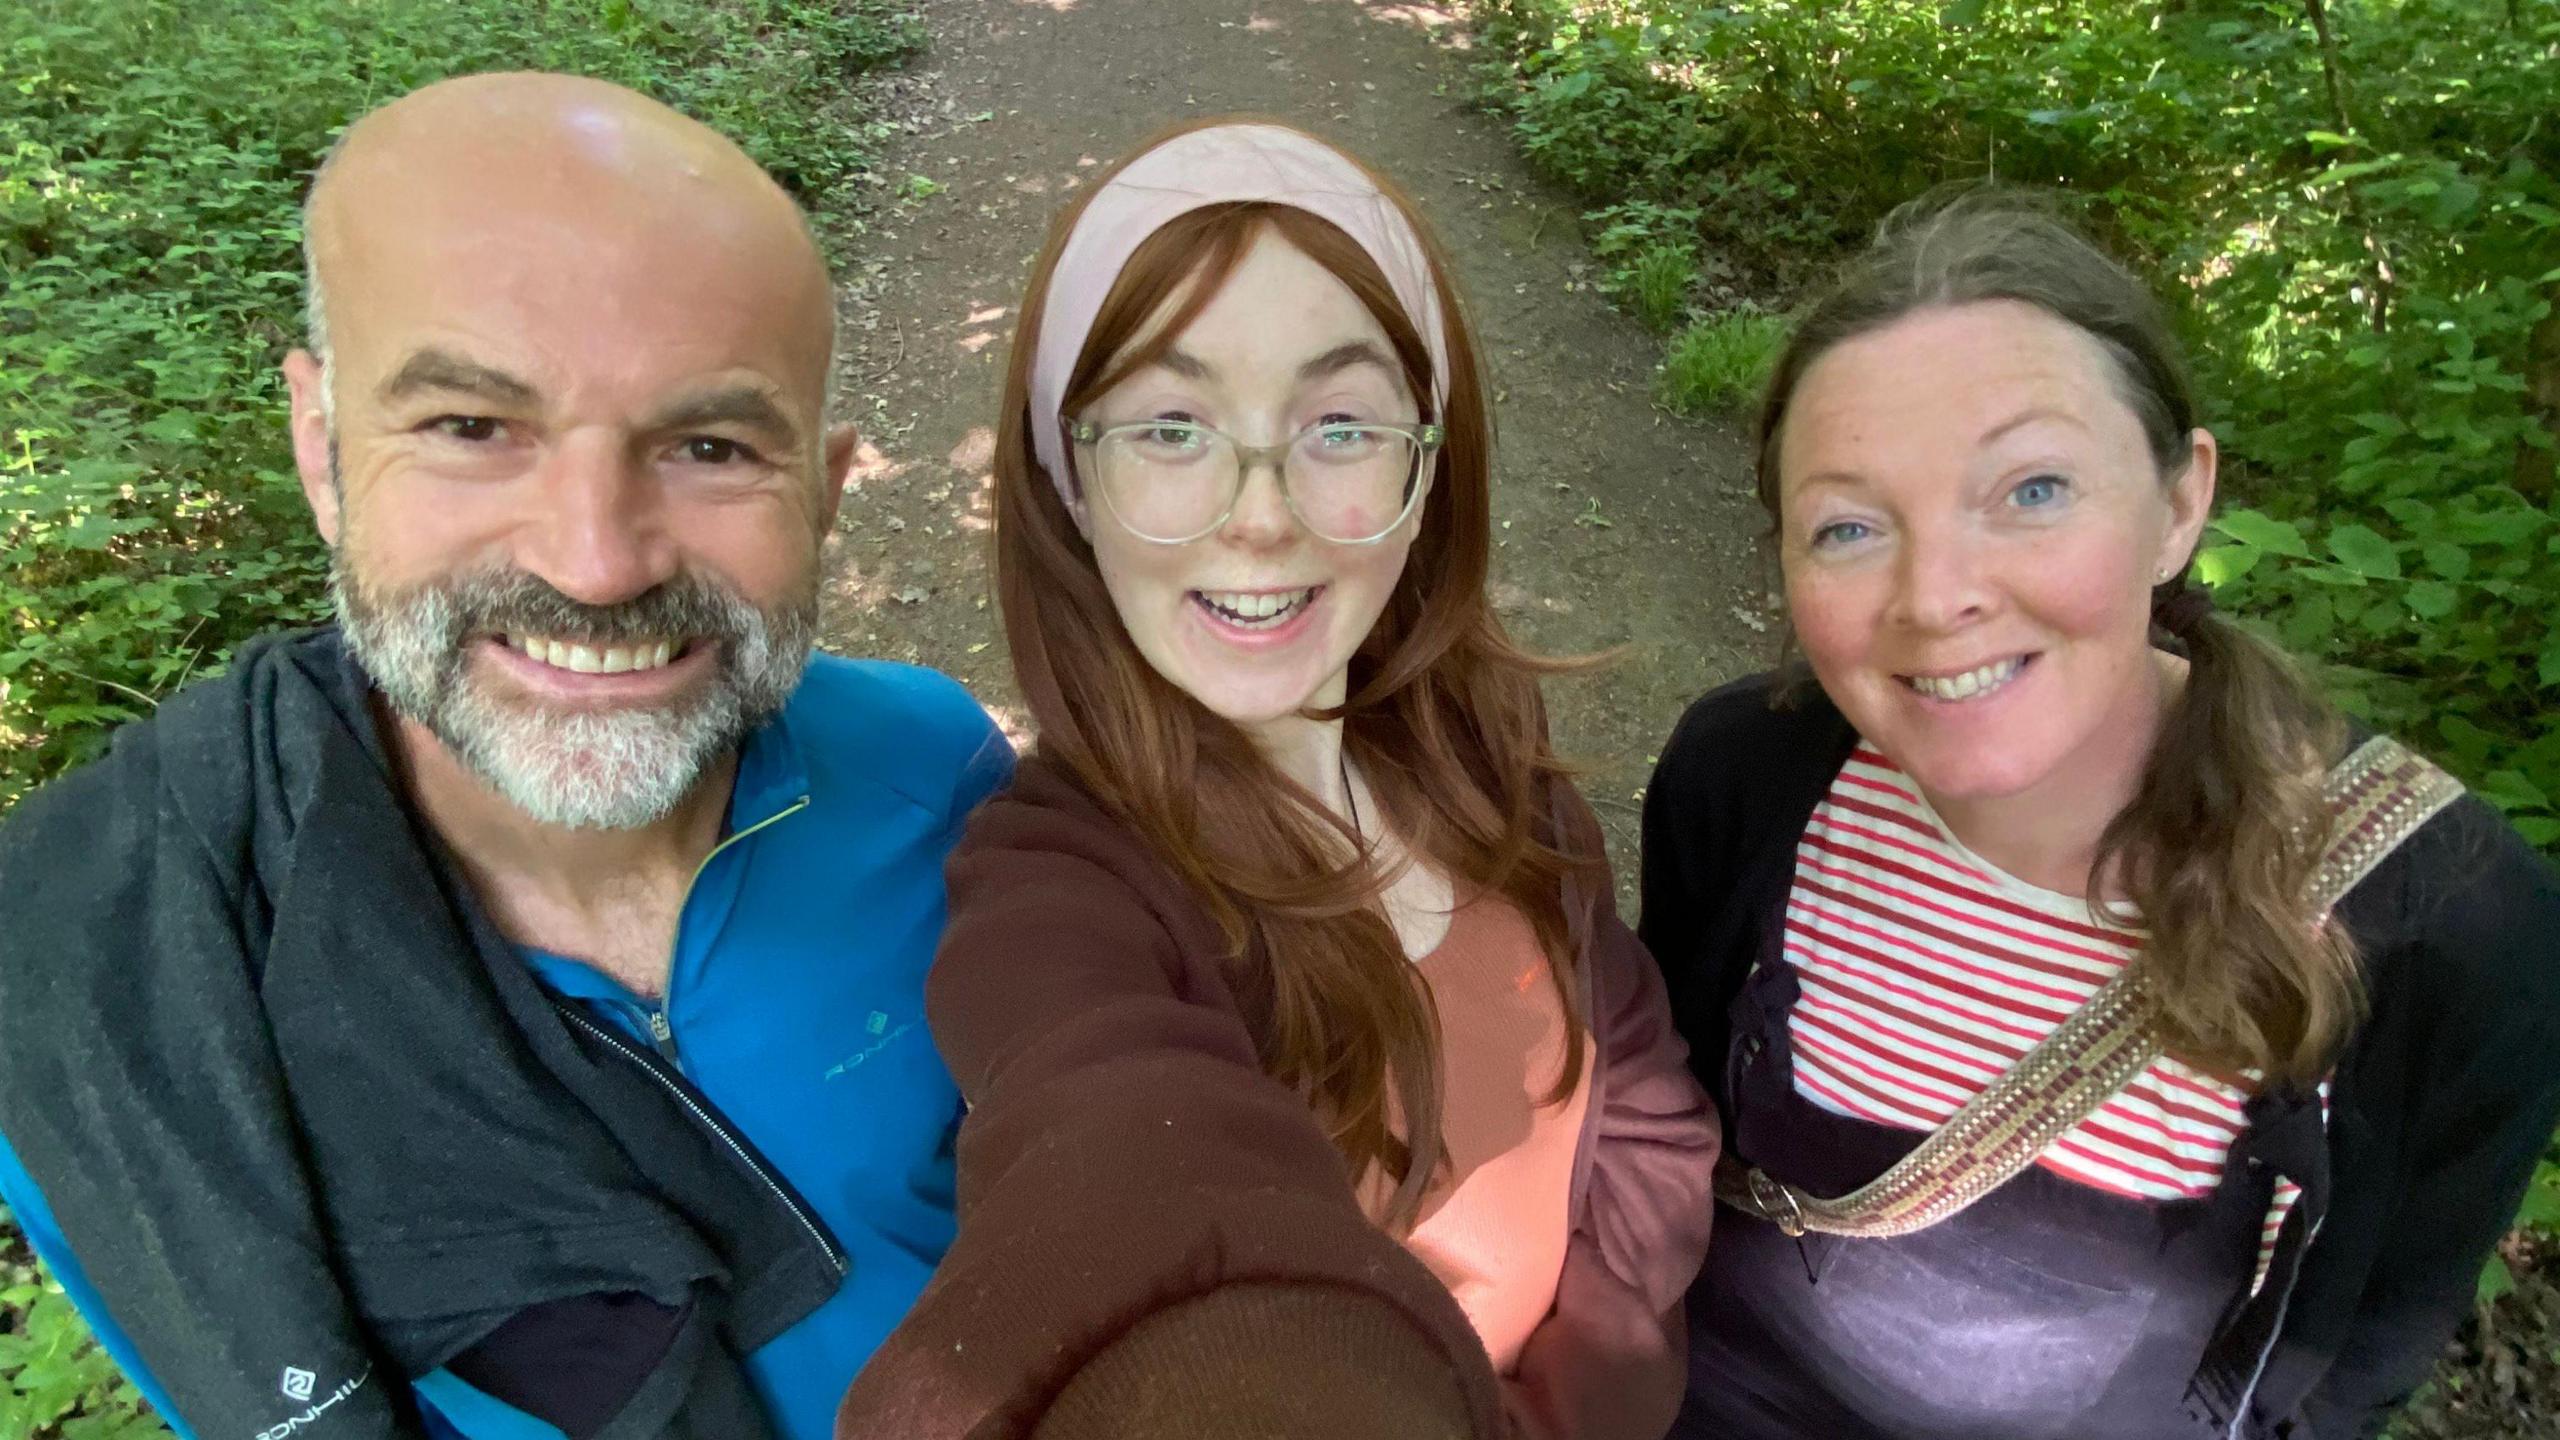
[1721, 362]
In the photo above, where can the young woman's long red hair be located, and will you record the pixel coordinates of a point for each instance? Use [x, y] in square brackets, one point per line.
[1443, 714]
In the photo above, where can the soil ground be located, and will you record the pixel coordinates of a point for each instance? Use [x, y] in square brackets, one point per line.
[1619, 526]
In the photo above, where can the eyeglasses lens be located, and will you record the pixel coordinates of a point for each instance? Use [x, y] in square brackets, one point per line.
[1348, 483]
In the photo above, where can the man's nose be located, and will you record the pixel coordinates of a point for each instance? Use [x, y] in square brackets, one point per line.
[598, 534]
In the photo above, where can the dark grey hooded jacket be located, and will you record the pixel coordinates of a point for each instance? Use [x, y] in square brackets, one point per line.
[296, 1104]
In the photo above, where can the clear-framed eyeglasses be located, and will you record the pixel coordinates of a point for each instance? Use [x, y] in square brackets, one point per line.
[1172, 481]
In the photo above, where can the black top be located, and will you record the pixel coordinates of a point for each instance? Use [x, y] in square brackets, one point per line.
[2439, 1107]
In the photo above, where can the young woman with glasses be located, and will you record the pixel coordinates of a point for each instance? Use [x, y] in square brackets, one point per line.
[1318, 1089]
[2112, 1041]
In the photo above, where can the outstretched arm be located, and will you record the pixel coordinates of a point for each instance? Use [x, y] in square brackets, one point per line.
[1133, 1185]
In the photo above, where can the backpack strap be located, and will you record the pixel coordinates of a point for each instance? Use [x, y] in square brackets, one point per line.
[2377, 797]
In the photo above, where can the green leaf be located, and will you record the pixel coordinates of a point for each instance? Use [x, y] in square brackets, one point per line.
[2541, 1203]
[2251, 527]
[2446, 559]
[2510, 790]
[2507, 526]
[2538, 831]
[2548, 669]
[2468, 740]
[2431, 599]
[171, 427]
[2365, 552]
[2354, 170]
[2496, 1281]
[2218, 565]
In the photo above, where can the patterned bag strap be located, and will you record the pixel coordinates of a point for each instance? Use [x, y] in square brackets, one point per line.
[2378, 797]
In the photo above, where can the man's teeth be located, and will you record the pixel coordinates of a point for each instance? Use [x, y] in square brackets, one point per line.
[1260, 610]
[1967, 685]
[595, 659]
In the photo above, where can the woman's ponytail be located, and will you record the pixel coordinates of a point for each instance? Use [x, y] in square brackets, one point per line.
[2217, 851]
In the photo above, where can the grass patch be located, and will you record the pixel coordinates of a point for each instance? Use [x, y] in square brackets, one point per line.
[1719, 364]
[1656, 287]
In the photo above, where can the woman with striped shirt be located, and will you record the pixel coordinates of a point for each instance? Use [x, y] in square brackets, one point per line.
[2110, 1040]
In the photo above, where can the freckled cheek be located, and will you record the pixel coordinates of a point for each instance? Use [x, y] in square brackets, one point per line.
[1838, 619]
[2086, 589]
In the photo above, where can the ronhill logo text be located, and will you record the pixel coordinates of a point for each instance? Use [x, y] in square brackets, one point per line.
[295, 1425]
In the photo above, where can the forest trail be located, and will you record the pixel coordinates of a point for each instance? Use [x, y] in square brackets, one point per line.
[1618, 526]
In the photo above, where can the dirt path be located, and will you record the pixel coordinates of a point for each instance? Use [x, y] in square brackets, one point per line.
[1621, 526]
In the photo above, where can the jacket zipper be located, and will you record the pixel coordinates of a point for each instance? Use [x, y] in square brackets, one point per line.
[662, 1030]
[712, 1122]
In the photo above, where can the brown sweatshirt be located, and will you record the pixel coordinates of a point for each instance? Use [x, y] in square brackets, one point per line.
[1156, 1237]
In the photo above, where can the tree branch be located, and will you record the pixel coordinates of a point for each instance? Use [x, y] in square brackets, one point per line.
[2333, 75]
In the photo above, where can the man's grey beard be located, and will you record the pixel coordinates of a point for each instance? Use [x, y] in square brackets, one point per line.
[610, 769]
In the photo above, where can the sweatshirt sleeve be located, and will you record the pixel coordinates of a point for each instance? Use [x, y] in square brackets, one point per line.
[160, 1134]
[1611, 1360]
[1126, 1163]
[1651, 1196]
[2488, 945]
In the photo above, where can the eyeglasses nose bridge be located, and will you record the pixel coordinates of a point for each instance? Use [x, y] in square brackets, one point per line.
[1248, 457]
[1276, 454]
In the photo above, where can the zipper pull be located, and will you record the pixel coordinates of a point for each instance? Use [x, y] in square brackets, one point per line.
[661, 1033]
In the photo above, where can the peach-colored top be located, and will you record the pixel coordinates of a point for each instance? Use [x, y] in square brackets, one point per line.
[1494, 1227]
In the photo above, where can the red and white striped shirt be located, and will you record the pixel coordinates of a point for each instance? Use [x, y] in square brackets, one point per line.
[1926, 972]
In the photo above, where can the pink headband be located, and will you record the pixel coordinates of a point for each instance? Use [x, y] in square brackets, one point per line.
[1209, 167]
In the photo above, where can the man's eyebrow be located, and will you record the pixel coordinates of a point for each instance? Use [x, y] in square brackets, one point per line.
[1343, 357]
[746, 406]
[433, 369]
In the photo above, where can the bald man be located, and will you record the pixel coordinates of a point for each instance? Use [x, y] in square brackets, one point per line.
[500, 1014]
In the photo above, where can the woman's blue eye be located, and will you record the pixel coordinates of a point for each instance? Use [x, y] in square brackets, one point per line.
[1840, 532]
[2041, 490]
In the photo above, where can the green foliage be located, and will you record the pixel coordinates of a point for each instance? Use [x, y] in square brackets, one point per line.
[2359, 237]
[1720, 363]
[1657, 284]
[1648, 259]
[152, 159]
[53, 1382]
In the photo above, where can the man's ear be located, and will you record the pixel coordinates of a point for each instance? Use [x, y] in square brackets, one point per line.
[309, 420]
[843, 443]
